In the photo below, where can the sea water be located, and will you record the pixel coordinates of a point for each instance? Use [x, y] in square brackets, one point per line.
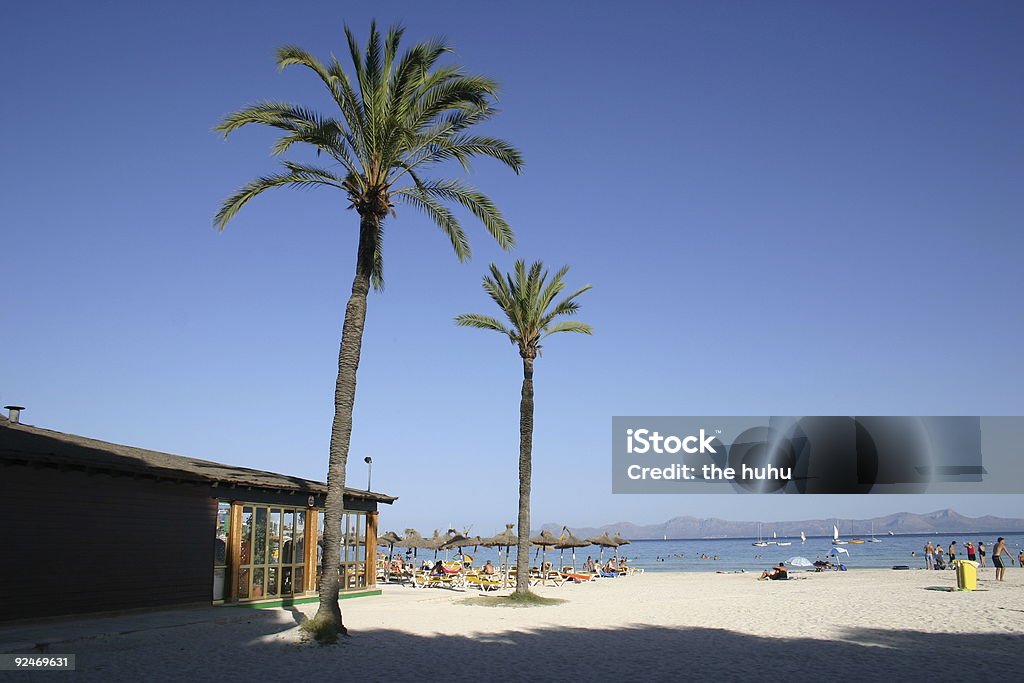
[734, 554]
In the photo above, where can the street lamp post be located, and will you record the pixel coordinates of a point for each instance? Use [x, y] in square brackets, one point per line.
[369, 470]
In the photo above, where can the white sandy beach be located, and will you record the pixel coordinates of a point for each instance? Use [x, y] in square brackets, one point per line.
[656, 626]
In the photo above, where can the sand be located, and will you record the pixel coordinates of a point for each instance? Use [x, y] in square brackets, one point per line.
[655, 626]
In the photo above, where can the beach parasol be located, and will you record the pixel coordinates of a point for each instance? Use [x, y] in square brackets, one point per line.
[461, 541]
[799, 562]
[436, 541]
[567, 540]
[545, 540]
[506, 539]
[413, 540]
[604, 541]
[619, 540]
[389, 539]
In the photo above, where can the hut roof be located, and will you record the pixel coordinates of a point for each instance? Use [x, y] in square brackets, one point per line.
[26, 444]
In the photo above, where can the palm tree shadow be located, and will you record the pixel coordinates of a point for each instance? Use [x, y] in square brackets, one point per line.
[659, 653]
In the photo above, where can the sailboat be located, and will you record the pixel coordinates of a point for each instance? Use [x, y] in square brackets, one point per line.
[774, 541]
[759, 543]
[803, 538]
[835, 536]
[778, 542]
[873, 539]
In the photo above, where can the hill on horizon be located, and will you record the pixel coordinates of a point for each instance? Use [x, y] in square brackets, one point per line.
[940, 521]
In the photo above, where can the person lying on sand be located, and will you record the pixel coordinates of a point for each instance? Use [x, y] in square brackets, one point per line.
[777, 573]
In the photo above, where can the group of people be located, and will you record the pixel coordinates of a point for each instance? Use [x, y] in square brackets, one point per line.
[935, 557]
[613, 567]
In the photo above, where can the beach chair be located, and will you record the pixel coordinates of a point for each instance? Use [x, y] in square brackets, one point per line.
[423, 579]
[483, 582]
[569, 574]
[538, 575]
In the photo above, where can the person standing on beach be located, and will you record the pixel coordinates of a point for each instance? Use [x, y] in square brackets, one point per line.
[981, 552]
[929, 555]
[997, 560]
[970, 551]
[940, 562]
[952, 551]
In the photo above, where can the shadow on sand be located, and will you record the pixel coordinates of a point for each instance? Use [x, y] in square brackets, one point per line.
[262, 647]
[660, 653]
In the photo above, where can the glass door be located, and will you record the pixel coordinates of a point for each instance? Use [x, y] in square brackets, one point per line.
[271, 562]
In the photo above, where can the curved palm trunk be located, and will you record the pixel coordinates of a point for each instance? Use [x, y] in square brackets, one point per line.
[525, 475]
[341, 429]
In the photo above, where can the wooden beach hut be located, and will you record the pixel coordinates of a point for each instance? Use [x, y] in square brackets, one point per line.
[92, 526]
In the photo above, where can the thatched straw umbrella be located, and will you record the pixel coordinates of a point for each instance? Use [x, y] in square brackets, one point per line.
[619, 541]
[605, 541]
[545, 541]
[389, 539]
[506, 539]
[568, 540]
[414, 541]
[460, 541]
[436, 541]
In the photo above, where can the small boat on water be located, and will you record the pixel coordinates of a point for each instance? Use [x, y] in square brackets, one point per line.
[759, 543]
[835, 536]
[857, 541]
[803, 538]
[873, 539]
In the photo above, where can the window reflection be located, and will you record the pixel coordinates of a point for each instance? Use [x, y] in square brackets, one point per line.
[260, 555]
[246, 555]
[272, 552]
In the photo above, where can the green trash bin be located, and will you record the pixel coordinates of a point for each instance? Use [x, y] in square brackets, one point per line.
[966, 575]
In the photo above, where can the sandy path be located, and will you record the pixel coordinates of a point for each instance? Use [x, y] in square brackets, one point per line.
[652, 627]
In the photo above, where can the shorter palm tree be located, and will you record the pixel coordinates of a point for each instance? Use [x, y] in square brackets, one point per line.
[527, 298]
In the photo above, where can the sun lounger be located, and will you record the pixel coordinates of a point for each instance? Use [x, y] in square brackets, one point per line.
[484, 582]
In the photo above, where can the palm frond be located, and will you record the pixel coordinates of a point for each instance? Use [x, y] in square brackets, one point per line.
[568, 326]
[233, 204]
[280, 115]
[464, 147]
[479, 204]
[442, 217]
[481, 322]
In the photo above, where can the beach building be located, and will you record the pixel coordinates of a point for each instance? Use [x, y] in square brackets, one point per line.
[91, 526]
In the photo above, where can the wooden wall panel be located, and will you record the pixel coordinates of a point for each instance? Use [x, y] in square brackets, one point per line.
[77, 542]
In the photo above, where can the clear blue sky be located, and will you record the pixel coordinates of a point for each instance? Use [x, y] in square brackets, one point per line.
[784, 208]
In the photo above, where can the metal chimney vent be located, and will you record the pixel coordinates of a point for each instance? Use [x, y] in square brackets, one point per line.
[14, 413]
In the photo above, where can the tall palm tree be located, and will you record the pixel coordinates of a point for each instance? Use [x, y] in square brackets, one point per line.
[527, 299]
[397, 117]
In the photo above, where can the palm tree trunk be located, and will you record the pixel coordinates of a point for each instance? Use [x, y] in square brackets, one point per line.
[525, 475]
[341, 429]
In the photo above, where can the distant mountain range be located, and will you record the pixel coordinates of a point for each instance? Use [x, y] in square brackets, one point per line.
[940, 521]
